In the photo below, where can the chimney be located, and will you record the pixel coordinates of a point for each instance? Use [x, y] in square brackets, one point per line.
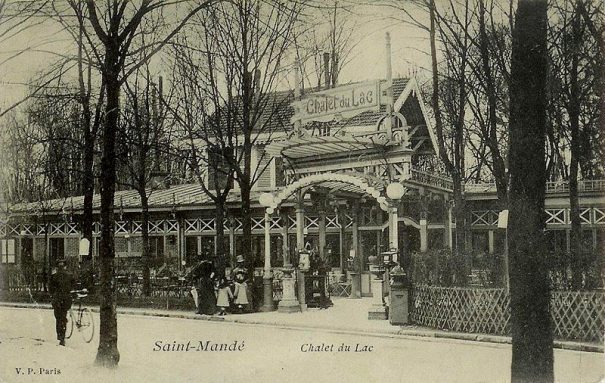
[327, 69]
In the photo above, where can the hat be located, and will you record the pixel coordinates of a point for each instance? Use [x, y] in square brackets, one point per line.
[60, 263]
[240, 258]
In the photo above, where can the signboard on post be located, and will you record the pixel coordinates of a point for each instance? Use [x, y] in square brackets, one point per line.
[337, 103]
[84, 247]
[503, 219]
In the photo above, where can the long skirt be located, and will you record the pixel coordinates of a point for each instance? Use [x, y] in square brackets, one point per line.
[223, 297]
[206, 297]
[241, 293]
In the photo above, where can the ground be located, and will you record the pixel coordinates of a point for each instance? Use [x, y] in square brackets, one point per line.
[268, 354]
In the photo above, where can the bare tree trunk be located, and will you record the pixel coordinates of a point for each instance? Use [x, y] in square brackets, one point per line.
[244, 179]
[88, 160]
[454, 167]
[88, 189]
[221, 253]
[247, 226]
[461, 224]
[46, 268]
[574, 122]
[499, 168]
[145, 256]
[532, 340]
[108, 354]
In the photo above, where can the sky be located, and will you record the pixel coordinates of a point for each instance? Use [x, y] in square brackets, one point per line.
[45, 44]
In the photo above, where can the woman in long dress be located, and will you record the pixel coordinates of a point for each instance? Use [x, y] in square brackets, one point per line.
[205, 291]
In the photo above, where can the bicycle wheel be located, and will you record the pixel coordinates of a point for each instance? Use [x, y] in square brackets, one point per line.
[87, 325]
[69, 328]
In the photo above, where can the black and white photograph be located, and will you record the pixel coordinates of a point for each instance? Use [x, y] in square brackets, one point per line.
[302, 191]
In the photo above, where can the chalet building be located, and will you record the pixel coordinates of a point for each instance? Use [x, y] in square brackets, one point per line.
[341, 177]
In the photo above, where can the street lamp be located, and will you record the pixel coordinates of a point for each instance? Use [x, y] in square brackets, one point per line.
[395, 191]
[267, 201]
[381, 264]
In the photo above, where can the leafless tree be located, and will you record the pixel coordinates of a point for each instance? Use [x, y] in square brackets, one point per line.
[532, 339]
[326, 41]
[206, 122]
[111, 29]
[30, 172]
[142, 136]
[576, 60]
[245, 45]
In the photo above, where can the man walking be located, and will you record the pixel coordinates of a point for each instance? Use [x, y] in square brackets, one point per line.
[61, 284]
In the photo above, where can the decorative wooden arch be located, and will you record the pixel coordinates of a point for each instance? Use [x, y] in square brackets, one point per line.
[359, 183]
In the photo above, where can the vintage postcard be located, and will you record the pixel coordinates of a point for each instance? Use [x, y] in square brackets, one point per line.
[302, 191]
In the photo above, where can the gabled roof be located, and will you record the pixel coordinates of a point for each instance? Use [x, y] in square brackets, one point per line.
[277, 111]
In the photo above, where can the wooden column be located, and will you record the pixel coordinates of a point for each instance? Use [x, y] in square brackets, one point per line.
[181, 242]
[341, 243]
[286, 247]
[447, 227]
[19, 251]
[356, 276]
[267, 279]
[355, 236]
[423, 235]
[322, 233]
[394, 226]
[300, 245]
[199, 245]
[490, 241]
[300, 223]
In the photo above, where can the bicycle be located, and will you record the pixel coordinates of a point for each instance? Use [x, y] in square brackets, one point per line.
[81, 318]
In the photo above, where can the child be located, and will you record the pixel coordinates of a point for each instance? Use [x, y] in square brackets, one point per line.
[240, 294]
[224, 296]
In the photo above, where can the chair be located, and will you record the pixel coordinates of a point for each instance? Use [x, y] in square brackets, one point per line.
[341, 289]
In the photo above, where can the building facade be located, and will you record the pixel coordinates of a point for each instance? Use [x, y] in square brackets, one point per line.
[327, 175]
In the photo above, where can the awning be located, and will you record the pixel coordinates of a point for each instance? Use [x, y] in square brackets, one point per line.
[308, 146]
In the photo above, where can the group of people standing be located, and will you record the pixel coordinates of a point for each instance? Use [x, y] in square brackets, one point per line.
[216, 293]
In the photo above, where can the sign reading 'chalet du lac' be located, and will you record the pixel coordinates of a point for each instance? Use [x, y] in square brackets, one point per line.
[342, 102]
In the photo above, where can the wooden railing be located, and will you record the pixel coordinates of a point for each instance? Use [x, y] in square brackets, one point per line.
[585, 186]
[576, 315]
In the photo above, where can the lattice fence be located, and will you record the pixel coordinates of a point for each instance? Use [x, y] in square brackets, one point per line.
[578, 315]
[461, 309]
[575, 315]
